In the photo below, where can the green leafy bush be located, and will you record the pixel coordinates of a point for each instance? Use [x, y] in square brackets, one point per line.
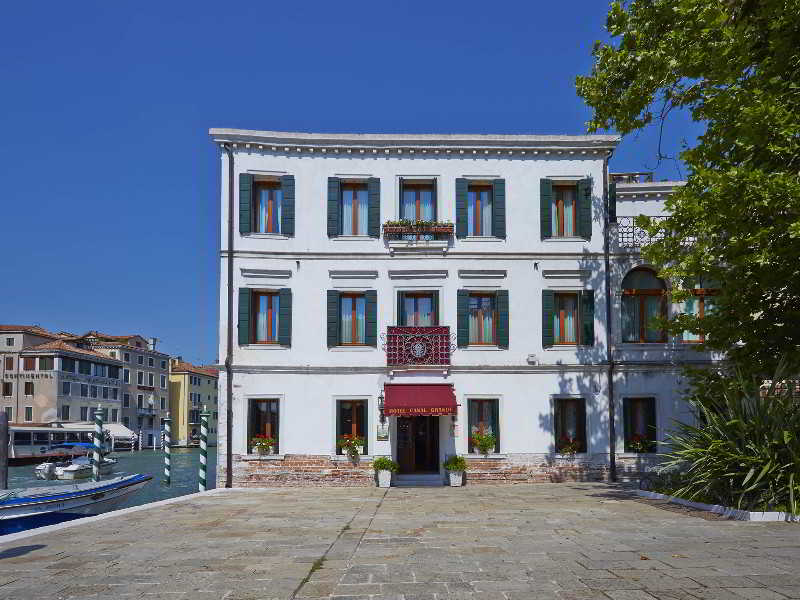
[484, 442]
[384, 463]
[744, 448]
[455, 463]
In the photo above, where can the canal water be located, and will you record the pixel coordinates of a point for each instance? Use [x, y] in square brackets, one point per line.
[185, 467]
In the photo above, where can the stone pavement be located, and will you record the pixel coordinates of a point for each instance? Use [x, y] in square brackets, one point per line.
[561, 541]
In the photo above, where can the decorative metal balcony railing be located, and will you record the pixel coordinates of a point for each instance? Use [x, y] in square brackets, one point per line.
[630, 235]
[423, 346]
[632, 177]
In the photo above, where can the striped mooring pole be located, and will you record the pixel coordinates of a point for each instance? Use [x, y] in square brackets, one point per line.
[167, 443]
[203, 449]
[97, 442]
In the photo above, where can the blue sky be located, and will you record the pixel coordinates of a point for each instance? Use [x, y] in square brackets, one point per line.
[109, 180]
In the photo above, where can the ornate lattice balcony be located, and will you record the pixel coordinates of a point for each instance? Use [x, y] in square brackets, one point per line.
[418, 346]
[630, 235]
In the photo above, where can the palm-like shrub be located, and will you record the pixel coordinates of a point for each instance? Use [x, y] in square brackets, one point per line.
[743, 449]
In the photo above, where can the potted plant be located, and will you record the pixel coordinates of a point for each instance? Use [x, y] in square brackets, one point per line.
[455, 467]
[263, 444]
[484, 442]
[352, 445]
[639, 444]
[569, 446]
[384, 467]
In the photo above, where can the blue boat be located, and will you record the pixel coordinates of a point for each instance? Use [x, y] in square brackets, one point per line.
[27, 508]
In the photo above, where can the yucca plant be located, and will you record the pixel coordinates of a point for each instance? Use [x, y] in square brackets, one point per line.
[744, 448]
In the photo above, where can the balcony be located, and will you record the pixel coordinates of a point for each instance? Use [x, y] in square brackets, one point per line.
[418, 346]
[417, 235]
[632, 236]
[145, 411]
[632, 177]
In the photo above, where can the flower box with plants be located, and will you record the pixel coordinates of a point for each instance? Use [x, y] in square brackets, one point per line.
[455, 467]
[640, 444]
[484, 443]
[408, 226]
[568, 446]
[384, 467]
[263, 444]
[351, 445]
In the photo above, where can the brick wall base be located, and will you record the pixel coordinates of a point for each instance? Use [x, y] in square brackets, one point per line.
[312, 470]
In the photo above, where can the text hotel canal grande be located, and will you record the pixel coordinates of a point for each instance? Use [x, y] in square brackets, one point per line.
[414, 290]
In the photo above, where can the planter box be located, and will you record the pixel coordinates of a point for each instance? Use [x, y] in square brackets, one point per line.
[456, 478]
[384, 479]
[725, 511]
[413, 229]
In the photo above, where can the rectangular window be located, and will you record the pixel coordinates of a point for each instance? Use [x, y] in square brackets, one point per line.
[68, 365]
[699, 304]
[267, 205]
[150, 361]
[29, 388]
[84, 390]
[354, 208]
[265, 324]
[10, 413]
[351, 421]
[140, 359]
[418, 309]
[66, 388]
[99, 370]
[264, 420]
[482, 319]
[114, 415]
[640, 424]
[564, 213]
[9, 363]
[10, 341]
[163, 364]
[163, 403]
[114, 393]
[8, 389]
[105, 393]
[139, 401]
[484, 419]
[479, 210]
[570, 425]
[113, 372]
[29, 363]
[84, 413]
[640, 311]
[126, 375]
[126, 357]
[126, 400]
[566, 319]
[28, 414]
[84, 367]
[417, 202]
[93, 391]
[65, 412]
[140, 377]
[352, 323]
[150, 380]
[46, 363]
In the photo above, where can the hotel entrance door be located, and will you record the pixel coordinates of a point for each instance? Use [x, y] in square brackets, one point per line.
[418, 444]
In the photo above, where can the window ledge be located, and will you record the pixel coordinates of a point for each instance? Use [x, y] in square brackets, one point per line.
[475, 348]
[265, 347]
[565, 239]
[352, 349]
[578, 456]
[265, 236]
[418, 244]
[481, 238]
[345, 458]
[353, 238]
[637, 454]
[497, 456]
[645, 346]
[257, 457]
[564, 348]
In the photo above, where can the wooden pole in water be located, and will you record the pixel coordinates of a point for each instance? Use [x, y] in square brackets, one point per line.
[167, 443]
[3, 450]
[203, 448]
[97, 441]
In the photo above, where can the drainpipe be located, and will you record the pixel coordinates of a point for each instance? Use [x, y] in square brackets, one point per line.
[229, 356]
[612, 430]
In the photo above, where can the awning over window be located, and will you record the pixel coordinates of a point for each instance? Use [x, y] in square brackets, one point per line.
[409, 400]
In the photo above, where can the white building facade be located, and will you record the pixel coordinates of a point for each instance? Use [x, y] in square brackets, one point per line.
[421, 291]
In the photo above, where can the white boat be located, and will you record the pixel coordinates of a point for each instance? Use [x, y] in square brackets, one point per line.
[77, 468]
[26, 508]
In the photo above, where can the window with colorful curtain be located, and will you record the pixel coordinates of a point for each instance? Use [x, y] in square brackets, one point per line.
[352, 319]
[564, 214]
[482, 319]
[263, 421]
[566, 319]
[267, 200]
[265, 324]
[479, 210]
[354, 209]
[644, 302]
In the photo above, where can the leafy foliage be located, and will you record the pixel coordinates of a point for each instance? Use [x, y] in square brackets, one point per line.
[744, 450]
[484, 442]
[734, 65]
[455, 463]
[384, 463]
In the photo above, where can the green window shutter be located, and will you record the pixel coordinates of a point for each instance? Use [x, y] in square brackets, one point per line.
[546, 207]
[581, 425]
[626, 420]
[462, 318]
[244, 316]
[333, 318]
[435, 307]
[461, 207]
[587, 318]
[401, 320]
[245, 202]
[585, 209]
[496, 424]
[287, 206]
[499, 208]
[548, 307]
[472, 421]
[374, 207]
[285, 317]
[371, 318]
[334, 208]
[612, 203]
[502, 318]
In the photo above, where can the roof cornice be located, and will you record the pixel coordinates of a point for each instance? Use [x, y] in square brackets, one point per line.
[413, 144]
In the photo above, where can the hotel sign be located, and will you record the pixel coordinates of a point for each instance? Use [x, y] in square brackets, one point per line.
[414, 411]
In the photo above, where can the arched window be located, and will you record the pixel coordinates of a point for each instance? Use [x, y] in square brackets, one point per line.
[644, 299]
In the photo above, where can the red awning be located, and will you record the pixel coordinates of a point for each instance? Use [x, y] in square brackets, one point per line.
[411, 400]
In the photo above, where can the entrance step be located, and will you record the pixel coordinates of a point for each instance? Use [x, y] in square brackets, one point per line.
[418, 480]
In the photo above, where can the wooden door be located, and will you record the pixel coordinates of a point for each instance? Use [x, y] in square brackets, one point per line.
[405, 444]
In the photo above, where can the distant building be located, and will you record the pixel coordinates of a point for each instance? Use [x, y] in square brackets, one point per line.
[191, 388]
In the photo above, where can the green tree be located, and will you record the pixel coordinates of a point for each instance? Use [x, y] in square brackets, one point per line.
[734, 65]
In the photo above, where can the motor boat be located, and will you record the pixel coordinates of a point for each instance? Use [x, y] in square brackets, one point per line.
[26, 508]
[77, 468]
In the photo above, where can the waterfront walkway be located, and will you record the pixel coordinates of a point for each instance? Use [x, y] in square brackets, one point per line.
[555, 541]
